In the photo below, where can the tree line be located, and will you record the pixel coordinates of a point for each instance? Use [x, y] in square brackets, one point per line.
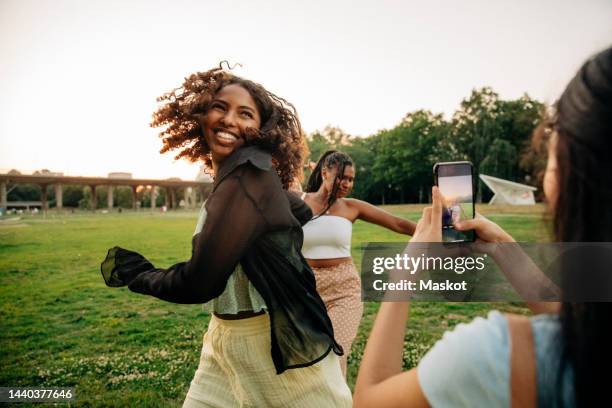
[395, 165]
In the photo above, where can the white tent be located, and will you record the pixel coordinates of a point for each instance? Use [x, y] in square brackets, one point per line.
[509, 192]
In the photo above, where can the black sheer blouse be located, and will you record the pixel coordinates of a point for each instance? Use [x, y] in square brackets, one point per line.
[250, 220]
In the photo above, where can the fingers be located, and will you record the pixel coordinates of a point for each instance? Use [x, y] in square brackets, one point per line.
[468, 224]
[427, 214]
[479, 222]
[436, 213]
[418, 226]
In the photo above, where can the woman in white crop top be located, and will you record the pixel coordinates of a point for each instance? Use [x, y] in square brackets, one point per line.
[327, 241]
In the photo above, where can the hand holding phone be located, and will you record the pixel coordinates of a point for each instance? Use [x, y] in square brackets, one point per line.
[455, 181]
[429, 227]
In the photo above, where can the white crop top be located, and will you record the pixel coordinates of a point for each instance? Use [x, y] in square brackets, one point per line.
[326, 237]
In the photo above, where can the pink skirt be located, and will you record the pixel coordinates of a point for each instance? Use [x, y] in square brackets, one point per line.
[340, 289]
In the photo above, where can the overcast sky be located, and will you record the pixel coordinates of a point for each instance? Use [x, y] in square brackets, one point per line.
[78, 79]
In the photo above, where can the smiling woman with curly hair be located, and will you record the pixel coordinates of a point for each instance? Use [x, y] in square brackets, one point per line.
[183, 108]
[270, 341]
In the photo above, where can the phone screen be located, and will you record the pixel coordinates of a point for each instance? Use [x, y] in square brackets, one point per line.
[457, 188]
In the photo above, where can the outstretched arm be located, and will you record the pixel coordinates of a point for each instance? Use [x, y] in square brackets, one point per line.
[381, 382]
[378, 216]
[233, 223]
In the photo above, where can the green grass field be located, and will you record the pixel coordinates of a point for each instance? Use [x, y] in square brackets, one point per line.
[61, 326]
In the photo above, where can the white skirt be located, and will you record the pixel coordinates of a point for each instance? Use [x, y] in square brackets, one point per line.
[236, 370]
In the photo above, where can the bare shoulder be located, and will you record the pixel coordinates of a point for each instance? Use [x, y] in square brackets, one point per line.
[352, 207]
[358, 205]
[353, 202]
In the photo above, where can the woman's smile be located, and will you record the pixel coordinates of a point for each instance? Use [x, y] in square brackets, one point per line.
[230, 114]
[225, 136]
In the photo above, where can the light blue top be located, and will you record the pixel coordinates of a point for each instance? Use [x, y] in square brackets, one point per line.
[239, 295]
[470, 365]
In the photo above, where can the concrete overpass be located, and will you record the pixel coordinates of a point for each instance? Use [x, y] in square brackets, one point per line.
[45, 180]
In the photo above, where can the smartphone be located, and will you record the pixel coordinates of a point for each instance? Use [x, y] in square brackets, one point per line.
[455, 181]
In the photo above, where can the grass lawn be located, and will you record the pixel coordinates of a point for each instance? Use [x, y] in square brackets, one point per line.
[61, 326]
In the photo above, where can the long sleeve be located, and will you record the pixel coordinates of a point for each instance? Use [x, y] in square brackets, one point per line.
[234, 221]
[301, 211]
[249, 220]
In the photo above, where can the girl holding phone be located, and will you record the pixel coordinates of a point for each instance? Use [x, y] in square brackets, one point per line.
[475, 363]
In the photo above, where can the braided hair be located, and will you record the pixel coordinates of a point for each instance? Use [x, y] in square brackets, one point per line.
[330, 159]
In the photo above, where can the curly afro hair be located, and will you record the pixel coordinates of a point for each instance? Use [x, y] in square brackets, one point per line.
[182, 109]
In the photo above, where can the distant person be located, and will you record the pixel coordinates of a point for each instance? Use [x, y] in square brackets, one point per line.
[456, 213]
[565, 355]
[327, 241]
[447, 216]
[270, 342]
